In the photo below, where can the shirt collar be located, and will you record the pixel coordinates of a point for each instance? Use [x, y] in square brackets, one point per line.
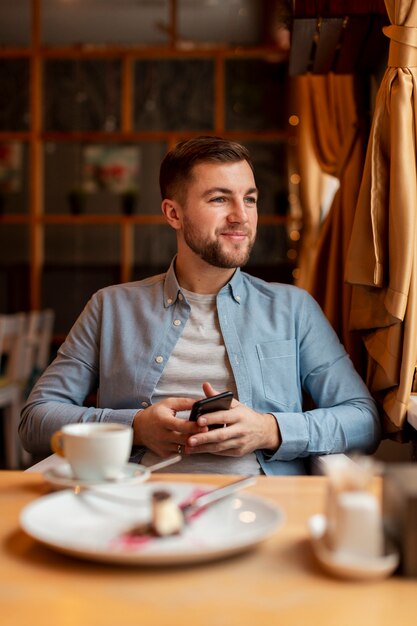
[172, 288]
[235, 286]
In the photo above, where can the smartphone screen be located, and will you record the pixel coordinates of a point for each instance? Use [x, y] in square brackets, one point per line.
[221, 402]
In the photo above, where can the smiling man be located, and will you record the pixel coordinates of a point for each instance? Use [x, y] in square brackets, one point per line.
[153, 347]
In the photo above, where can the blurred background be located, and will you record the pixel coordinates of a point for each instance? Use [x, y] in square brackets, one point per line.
[94, 92]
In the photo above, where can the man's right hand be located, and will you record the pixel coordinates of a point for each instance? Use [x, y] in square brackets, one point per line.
[159, 430]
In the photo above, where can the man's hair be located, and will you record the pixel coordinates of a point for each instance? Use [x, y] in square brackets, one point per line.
[176, 167]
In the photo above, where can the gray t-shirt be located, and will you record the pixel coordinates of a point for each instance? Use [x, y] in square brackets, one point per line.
[199, 356]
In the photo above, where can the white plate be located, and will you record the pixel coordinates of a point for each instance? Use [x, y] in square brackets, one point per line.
[93, 528]
[62, 476]
[349, 566]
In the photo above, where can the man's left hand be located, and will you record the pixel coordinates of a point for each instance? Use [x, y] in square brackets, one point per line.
[246, 431]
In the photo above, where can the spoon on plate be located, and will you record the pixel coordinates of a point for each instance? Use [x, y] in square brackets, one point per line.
[169, 518]
[190, 507]
[201, 501]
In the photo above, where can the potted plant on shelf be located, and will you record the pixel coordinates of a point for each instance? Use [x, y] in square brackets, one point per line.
[3, 202]
[77, 199]
[129, 198]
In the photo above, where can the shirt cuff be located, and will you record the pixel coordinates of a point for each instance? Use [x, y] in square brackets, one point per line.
[119, 416]
[294, 436]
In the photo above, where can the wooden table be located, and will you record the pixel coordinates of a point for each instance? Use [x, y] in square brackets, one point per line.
[278, 583]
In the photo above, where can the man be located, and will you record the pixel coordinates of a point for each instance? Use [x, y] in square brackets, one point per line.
[152, 347]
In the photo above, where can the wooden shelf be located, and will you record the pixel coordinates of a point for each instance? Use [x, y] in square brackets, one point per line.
[36, 136]
[114, 219]
[145, 52]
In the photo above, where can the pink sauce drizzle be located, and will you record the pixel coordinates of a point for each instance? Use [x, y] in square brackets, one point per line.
[130, 540]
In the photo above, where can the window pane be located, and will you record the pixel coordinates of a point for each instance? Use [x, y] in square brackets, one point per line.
[62, 174]
[174, 95]
[236, 22]
[101, 22]
[14, 192]
[256, 95]
[15, 22]
[269, 258]
[79, 260]
[66, 290]
[82, 95]
[155, 246]
[148, 181]
[271, 245]
[82, 244]
[14, 244]
[270, 160]
[14, 268]
[14, 94]
[95, 173]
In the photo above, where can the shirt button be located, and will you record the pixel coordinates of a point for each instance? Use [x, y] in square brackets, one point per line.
[159, 359]
[180, 297]
[237, 298]
[169, 300]
[144, 404]
[177, 322]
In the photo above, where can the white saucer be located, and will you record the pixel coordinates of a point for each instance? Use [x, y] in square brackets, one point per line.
[62, 476]
[345, 565]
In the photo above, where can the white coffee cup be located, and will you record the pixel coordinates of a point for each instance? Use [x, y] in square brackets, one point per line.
[94, 450]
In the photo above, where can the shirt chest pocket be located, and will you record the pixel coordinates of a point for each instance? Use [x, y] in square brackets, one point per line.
[278, 362]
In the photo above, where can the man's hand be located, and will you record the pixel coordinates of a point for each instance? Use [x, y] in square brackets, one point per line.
[246, 431]
[158, 429]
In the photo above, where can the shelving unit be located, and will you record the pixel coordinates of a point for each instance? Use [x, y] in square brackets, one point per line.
[36, 138]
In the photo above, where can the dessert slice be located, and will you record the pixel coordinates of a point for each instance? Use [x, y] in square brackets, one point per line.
[167, 516]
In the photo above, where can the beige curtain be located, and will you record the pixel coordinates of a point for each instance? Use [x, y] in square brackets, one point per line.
[331, 141]
[313, 181]
[382, 254]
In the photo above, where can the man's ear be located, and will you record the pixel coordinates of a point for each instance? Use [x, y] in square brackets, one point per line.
[171, 211]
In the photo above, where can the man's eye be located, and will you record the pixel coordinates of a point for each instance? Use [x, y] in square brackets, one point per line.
[218, 199]
[250, 200]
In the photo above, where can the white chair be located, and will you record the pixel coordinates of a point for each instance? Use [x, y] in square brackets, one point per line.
[25, 342]
[12, 354]
[39, 327]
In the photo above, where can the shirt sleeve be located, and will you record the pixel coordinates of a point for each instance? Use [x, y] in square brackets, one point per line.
[345, 418]
[59, 396]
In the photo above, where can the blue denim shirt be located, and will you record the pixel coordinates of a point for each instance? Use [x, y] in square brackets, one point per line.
[279, 344]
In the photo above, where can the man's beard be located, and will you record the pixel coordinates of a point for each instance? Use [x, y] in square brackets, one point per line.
[212, 251]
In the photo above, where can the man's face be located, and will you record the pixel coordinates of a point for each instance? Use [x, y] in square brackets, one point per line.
[220, 213]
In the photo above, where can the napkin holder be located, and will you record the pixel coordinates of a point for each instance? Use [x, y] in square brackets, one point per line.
[399, 506]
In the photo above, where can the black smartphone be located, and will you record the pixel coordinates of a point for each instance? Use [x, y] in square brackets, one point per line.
[221, 402]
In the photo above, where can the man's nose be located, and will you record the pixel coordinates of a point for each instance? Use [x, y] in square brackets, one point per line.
[238, 212]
